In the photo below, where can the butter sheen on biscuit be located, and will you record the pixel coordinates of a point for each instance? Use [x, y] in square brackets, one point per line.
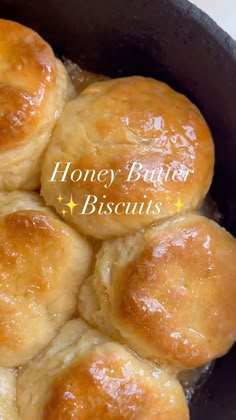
[34, 87]
[85, 375]
[42, 264]
[152, 139]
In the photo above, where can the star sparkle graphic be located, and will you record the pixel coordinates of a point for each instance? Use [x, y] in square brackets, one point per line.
[71, 204]
[63, 212]
[60, 198]
[179, 205]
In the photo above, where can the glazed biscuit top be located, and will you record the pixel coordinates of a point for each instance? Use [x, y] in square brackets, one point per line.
[170, 291]
[85, 375]
[104, 383]
[42, 263]
[27, 75]
[152, 139]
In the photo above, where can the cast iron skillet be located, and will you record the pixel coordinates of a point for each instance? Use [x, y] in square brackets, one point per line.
[174, 41]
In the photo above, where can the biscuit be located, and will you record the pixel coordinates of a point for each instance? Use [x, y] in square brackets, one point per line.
[168, 292]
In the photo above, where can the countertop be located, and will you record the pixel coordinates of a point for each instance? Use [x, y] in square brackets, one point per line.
[222, 11]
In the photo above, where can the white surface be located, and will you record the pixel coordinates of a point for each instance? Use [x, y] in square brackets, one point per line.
[222, 11]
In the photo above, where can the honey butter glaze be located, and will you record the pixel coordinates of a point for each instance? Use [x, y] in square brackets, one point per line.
[34, 87]
[169, 291]
[85, 375]
[27, 74]
[42, 263]
[103, 386]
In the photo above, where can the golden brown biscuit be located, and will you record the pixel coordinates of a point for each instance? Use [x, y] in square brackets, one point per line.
[8, 410]
[168, 292]
[84, 375]
[42, 264]
[128, 152]
[33, 90]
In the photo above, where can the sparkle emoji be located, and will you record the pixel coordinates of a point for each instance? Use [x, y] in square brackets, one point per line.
[60, 198]
[71, 204]
[179, 205]
[63, 212]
